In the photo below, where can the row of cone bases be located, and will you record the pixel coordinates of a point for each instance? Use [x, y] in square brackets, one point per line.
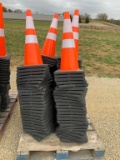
[53, 101]
[51, 90]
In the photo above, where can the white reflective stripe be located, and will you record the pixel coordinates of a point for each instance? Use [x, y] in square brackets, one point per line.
[67, 27]
[54, 23]
[68, 43]
[31, 39]
[29, 22]
[2, 32]
[51, 36]
[75, 21]
[75, 35]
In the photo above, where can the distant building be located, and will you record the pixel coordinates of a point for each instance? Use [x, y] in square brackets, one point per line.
[22, 16]
[18, 11]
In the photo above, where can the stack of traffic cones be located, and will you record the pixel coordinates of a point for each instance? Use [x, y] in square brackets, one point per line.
[70, 91]
[35, 88]
[49, 47]
[4, 67]
[75, 29]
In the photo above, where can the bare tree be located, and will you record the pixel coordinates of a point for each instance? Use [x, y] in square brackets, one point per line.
[4, 9]
[87, 18]
[71, 17]
[87, 15]
[80, 19]
[102, 16]
[9, 10]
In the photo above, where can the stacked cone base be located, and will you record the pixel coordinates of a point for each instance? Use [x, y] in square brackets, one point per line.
[69, 95]
[4, 81]
[52, 62]
[35, 89]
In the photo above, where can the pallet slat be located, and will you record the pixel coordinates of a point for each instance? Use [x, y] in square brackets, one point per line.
[52, 144]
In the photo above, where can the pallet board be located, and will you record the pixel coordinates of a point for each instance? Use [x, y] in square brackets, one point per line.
[5, 116]
[52, 148]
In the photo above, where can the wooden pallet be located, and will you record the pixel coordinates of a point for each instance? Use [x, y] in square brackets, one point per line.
[52, 149]
[5, 116]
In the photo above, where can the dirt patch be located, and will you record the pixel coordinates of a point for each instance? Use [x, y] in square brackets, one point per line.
[100, 26]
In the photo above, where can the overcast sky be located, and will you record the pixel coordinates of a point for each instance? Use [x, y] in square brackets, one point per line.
[92, 7]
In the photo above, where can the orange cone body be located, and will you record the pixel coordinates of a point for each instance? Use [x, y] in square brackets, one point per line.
[69, 59]
[2, 36]
[49, 46]
[32, 54]
[75, 28]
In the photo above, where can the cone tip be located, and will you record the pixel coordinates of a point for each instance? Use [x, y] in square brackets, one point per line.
[28, 12]
[0, 4]
[66, 15]
[55, 15]
[76, 12]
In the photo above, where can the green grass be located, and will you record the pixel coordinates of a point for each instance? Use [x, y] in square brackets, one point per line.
[99, 49]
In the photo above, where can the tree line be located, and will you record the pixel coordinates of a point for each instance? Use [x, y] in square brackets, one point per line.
[101, 16]
[82, 18]
[86, 17]
[9, 10]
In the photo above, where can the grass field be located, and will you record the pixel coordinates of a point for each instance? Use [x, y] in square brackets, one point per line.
[99, 48]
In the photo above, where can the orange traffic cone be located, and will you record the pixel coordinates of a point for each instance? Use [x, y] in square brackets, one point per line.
[69, 60]
[75, 28]
[49, 46]
[2, 36]
[32, 52]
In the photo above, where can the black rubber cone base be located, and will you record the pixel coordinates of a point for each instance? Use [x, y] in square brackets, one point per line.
[69, 95]
[35, 89]
[52, 62]
[4, 82]
[0, 102]
[5, 63]
[6, 58]
[49, 60]
[4, 102]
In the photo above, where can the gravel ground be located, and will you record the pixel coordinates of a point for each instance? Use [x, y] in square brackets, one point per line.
[103, 103]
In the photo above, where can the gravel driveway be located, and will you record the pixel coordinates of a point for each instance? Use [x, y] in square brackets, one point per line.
[103, 103]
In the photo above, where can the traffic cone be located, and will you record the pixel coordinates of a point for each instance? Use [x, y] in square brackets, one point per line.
[75, 28]
[49, 46]
[2, 36]
[69, 59]
[32, 51]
